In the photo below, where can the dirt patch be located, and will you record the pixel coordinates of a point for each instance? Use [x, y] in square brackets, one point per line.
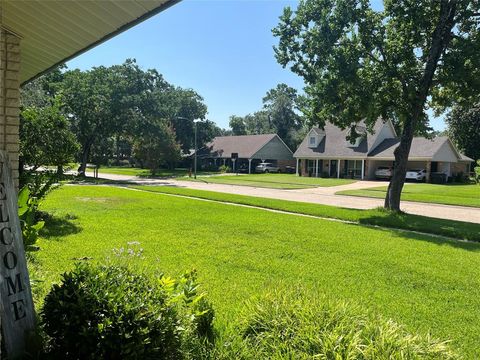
[100, 200]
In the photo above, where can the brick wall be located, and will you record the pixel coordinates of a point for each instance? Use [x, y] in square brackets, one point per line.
[10, 97]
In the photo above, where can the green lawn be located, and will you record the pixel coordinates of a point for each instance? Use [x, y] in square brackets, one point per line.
[376, 217]
[276, 181]
[466, 195]
[146, 173]
[426, 283]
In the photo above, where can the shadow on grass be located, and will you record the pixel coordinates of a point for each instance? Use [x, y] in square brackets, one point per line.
[56, 227]
[405, 224]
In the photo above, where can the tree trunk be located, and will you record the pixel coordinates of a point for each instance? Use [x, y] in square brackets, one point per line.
[84, 159]
[117, 141]
[59, 170]
[394, 192]
[440, 39]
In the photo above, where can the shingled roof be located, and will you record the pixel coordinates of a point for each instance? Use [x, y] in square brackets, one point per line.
[421, 148]
[334, 145]
[245, 145]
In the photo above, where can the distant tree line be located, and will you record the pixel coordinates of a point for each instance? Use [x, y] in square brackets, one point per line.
[109, 115]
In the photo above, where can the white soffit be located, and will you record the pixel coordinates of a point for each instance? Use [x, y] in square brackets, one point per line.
[53, 32]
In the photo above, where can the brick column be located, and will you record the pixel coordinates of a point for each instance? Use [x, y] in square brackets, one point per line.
[10, 98]
[428, 170]
[304, 167]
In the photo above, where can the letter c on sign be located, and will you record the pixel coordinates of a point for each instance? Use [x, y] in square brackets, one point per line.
[3, 193]
[10, 260]
[6, 236]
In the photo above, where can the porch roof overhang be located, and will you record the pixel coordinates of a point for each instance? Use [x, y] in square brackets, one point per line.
[53, 32]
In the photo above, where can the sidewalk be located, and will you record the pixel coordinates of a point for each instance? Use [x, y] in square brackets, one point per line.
[320, 195]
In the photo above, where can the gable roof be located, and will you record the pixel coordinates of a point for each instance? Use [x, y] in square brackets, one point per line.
[377, 128]
[333, 144]
[421, 148]
[245, 145]
[53, 32]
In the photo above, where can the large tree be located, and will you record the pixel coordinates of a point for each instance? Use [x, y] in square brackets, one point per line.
[238, 125]
[109, 102]
[361, 64]
[156, 146]
[45, 137]
[464, 129]
[281, 105]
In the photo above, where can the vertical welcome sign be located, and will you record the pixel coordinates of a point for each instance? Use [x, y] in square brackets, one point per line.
[16, 304]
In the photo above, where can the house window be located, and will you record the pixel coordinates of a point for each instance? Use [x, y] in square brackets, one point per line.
[354, 168]
[311, 167]
[313, 140]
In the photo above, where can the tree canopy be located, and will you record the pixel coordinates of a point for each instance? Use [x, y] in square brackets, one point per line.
[45, 137]
[111, 110]
[279, 115]
[361, 64]
[464, 129]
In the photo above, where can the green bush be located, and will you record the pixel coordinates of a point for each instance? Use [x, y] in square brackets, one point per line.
[280, 326]
[477, 172]
[28, 216]
[110, 312]
[224, 169]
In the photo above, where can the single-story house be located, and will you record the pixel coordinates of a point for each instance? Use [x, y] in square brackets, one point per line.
[326, 152]
[250, 149]
[37, 36]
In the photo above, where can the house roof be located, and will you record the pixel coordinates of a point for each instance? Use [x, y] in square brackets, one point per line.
[53, 32]
[333, 144]
[421, 148]
[245, 145]
[465, 158]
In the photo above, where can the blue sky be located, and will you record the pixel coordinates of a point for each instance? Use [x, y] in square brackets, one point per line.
[220, 48]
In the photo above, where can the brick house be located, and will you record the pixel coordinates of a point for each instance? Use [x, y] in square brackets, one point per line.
[326, 152]
[251, 150]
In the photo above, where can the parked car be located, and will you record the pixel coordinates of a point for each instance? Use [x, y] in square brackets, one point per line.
[266, 168]
[416, 174]
[290, 169]
[243, 168]
[384, 172]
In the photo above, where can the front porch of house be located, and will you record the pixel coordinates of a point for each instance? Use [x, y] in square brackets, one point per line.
[364, 169]
[332, 168]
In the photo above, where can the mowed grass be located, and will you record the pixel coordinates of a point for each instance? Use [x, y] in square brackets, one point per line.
[423, 282]
[449, 194]
[133, 171]
[275, 181]
[376, 217]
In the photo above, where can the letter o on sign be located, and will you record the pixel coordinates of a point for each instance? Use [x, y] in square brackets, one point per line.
[10, 260]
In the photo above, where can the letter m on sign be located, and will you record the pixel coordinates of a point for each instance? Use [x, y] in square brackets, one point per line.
[16, 305]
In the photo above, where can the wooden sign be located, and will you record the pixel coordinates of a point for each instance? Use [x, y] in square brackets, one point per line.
[16, 303]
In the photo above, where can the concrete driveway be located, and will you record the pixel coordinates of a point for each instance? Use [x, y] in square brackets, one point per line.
[320, 195]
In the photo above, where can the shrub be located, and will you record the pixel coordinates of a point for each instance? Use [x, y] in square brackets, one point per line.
[110, 312]
[280, 326]
[224, 169]
[36, 187]
[27, 213]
